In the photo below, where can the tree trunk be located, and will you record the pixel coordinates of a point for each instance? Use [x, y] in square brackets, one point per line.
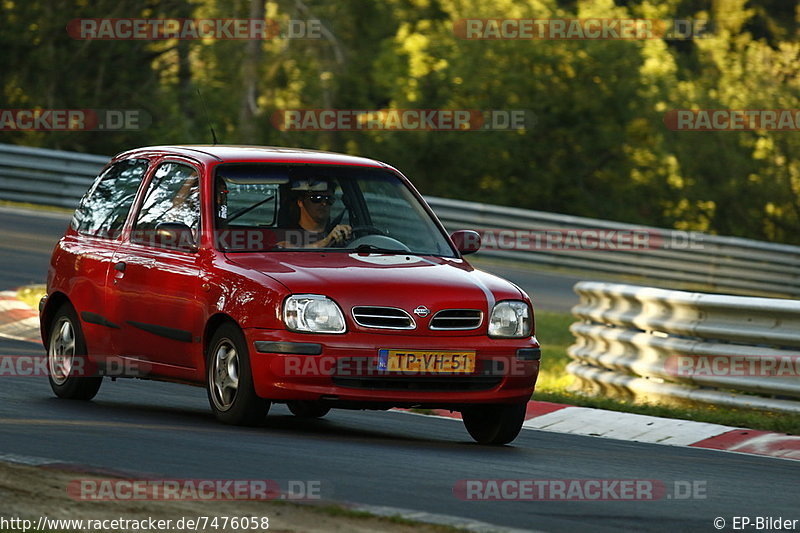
[248, 103]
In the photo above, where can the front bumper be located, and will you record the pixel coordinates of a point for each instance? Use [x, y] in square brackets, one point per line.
[344, 369]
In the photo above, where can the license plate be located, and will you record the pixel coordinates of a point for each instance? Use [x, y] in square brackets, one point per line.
[425, 361]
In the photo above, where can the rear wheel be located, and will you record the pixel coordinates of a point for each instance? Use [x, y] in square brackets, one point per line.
[229, 379]
[308, 409]
[494, 424]
[66, 358]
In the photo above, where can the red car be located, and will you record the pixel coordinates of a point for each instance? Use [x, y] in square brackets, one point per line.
[280, 275]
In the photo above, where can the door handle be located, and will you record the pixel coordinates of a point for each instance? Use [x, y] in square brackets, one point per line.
[120, 266]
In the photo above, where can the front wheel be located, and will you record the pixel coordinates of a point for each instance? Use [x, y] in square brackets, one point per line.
[229, 379]
[67, 364]
[494, 424]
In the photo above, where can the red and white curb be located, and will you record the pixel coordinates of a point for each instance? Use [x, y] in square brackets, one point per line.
[19, 322]
[560, 418]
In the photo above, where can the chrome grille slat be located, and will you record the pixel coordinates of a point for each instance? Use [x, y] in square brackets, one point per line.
[456, 319]
[379, 317]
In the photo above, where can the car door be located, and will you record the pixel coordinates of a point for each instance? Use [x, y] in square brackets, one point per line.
[155, 283]
[87, 253]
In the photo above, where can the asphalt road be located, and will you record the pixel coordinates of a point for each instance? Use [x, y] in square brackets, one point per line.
[378, 458]
[26, 240]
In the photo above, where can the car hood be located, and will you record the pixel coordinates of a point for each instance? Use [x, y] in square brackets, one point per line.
[396, 280]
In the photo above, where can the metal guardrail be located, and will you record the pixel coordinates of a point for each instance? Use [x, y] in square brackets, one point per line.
[726, 264]
[644, 343]
[48, 177]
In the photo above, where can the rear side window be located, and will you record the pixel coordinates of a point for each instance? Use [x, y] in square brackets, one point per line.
[103, 210]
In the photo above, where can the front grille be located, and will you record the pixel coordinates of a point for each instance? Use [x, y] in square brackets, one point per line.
[431, 384]
[382, 317]
[455, 319]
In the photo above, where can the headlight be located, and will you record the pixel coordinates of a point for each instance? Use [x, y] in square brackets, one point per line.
[313, 313]
[510, 319]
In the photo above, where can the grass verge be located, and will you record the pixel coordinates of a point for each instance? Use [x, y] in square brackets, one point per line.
[31, 294]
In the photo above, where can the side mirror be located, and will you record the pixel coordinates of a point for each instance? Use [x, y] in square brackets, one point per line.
[175, 235]
[466, 241]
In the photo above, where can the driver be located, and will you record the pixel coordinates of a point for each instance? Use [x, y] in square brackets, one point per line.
[314, 228]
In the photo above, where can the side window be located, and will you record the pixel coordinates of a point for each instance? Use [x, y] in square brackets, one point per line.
[173, 195]
[103, 210]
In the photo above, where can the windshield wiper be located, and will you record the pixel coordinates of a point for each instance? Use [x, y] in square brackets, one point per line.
[246, 210]
[371, 248]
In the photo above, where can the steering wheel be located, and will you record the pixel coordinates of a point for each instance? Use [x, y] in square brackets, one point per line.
[367, 229]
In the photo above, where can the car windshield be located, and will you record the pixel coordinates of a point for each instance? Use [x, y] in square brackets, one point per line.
[279, 207]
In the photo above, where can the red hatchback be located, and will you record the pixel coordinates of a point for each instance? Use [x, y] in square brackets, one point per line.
[266, 275]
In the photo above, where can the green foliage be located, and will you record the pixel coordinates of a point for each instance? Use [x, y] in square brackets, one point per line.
[599, 146]
[552, 331]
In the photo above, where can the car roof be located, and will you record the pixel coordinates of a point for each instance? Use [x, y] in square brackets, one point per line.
[219, 153]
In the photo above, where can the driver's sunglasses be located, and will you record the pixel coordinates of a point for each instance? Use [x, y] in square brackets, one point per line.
[319, 198]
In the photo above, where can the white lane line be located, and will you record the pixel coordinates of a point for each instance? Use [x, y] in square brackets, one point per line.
[28, 460]
[435, 518]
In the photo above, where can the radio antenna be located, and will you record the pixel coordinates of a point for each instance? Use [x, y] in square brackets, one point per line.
[208, 119]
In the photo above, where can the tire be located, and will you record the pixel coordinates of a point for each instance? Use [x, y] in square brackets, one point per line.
[229, 379]
[308, 409]
[65, 343]
[494, 424]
